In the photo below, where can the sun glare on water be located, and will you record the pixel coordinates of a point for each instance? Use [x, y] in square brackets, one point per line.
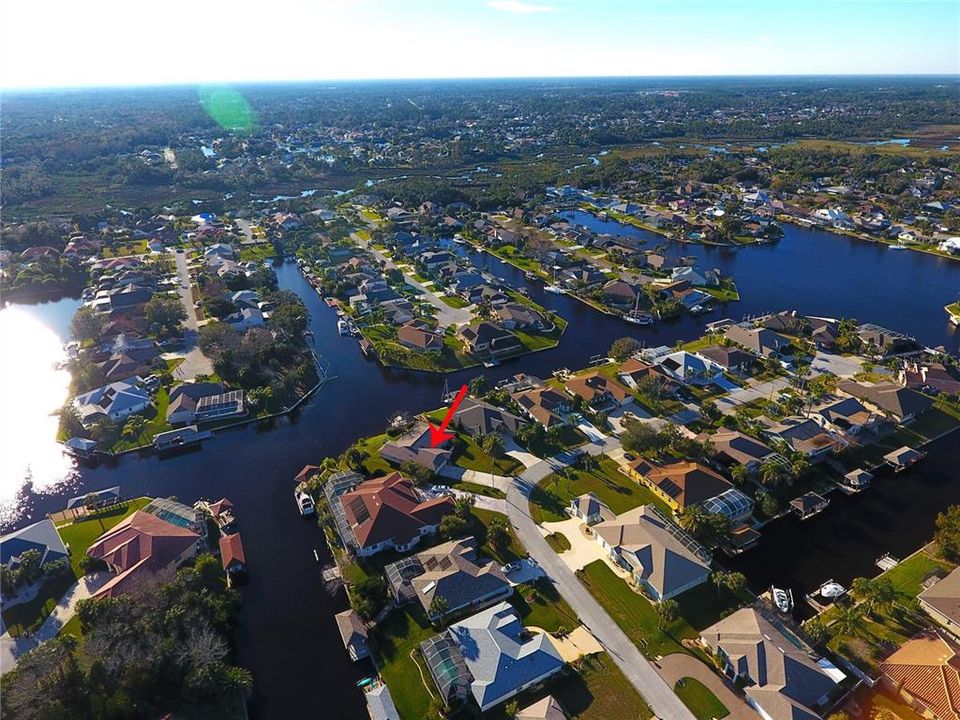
[31, 390]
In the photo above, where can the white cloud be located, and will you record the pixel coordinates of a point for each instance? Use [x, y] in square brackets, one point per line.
[523, 8]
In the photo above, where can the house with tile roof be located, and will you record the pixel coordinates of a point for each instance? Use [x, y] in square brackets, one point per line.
[139, 546]
[925, 673]
[681, 484]
[414, 446]
[661, 557]
[490, 656]
[736, 448]
[598, 390]
[41, 537]
[783, 680]
[388, 513]
[760, 341]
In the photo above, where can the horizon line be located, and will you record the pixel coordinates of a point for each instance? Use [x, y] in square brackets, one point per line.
[466, 78]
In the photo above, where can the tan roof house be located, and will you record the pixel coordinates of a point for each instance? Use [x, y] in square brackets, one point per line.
[941, 601]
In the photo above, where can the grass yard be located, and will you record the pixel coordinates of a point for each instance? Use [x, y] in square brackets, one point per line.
[395, 642]
[540, 605]
[938, 420]
[539, 341]
[565, 437]
[467, 454]
[549, 500]
[702, 606]
[513, 551]
[454, 301]
[373, 465]
[634, 613]
[156, 423]
[699, 699]
[27, 617]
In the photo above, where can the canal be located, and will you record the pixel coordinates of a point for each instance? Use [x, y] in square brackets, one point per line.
[287, 631]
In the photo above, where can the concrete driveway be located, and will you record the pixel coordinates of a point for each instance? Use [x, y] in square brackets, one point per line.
[679, 665]
[840, 365]
[729, 403]
[583, 550]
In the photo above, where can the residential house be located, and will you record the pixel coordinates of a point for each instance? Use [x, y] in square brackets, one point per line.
[847, 416]
[419, 336]
[736, 448]
[140, 546]
[925, 673]
[590, 509]
[547, 708]
[490, 656]
[486, 295]
[805, 436]
[941, 601]
[689, 368]
[220, 407]
[41, 537]
[621, 293]
[477, 417]
[544, 405]
[884, 341]
[662, 559]
[115, 401]
[353, 633]
[388, 513]
[893, 401]
[759, 341]
[598, 391]
[245, 319]
[182, 406]
[488, 338]
[783, 680]
[732, 359]
[931, 376]
[414, 446]
[453, 571]
[514, 316]
[681, 484]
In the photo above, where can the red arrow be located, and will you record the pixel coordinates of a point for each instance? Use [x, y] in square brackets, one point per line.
[439, 435]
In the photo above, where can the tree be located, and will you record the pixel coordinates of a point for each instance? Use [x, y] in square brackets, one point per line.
[947, 535]
[511, 709]
[623, 348]
[498, 533]
[643, 439]
[734, 582]
[492, 444]
[86, 324]
[289, 320]
[873, 594]
[816, 631]
[164, 315]
[463, 505]
[848, 619]
[134, 426]
[772, 473]
[438, 607]
[740, 474]
[667, 612]
[453, 526]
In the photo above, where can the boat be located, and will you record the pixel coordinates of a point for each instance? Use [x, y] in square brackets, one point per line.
[898, 246]
[529, 275]
[523, 291]
[832, 590]
[343, 327]
[641, 319]
[555, 289]
[304, 502]
[783, 599]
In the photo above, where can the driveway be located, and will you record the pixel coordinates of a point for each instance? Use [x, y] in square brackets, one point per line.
[527, 459]
[679, 665]
[621, 649]
[840, 365]
[194, 362]
[752, 392]
[583, 550]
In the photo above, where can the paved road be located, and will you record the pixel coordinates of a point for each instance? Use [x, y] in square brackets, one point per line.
[446, 315]
[195, 362]
[624, 653]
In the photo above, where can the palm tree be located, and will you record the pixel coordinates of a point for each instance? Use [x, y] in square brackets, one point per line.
[134, 426]
[772, 473]
[667, 612]
[862, 590]
[438, 606]
[492, 444]
[694, 520]
[734, 582]
[740, 474]
[848, 619]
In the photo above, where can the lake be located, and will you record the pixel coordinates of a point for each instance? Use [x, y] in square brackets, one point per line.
[287, 628]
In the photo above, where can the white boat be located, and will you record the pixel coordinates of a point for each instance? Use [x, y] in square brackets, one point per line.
[783, 599]
[832, 590]
[642, 319]
[555, 289]
[304, 502]
[529, 275]
[343, 327]
[897, 247]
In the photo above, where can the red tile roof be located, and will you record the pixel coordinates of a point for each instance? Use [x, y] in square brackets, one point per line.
[141, 543]
[231, 552]
[388, 508]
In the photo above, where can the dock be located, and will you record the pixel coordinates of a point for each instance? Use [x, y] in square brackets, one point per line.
[183, 437]
[887, 562]
[903, 458]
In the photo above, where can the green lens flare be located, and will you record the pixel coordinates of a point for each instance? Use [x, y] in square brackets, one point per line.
[228, 108]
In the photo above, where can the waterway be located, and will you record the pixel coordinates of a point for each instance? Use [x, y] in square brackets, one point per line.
[287, 632]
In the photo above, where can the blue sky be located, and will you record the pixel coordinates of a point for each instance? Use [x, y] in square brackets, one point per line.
[56, 43]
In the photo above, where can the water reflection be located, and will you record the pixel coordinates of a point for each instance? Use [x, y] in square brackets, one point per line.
[31, 389]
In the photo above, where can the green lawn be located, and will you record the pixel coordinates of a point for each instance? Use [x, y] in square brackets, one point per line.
[373, 465]
[538, 341]
[564, 438]
[540, 605]
[699, 699]
[552, 496]
[395, 642]
[157, 423]
[511, 552]
[454, 301]
[77, 536]
[909, 574]
[937, 420]
[634, 613]
[467, 454]
[703, 605]
[72, 627]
